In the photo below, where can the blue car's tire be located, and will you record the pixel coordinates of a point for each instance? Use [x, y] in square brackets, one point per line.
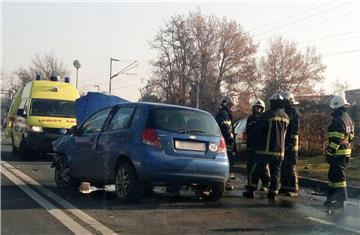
[128, 187]
[63, 178]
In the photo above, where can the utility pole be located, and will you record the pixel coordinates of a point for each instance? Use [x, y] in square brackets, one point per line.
[197, 94]
[111, 60]
[123, 71]
[77, 65]
[98, 87]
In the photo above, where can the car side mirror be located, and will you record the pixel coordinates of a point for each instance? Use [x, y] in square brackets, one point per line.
[21, 113]
[75, 130]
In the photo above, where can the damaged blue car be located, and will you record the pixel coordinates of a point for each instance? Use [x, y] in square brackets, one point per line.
[138, 146]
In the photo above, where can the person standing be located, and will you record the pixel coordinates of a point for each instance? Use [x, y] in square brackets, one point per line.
[225, 121]
[258, 108]
[289, 178]
[270, 147]
[338, 152]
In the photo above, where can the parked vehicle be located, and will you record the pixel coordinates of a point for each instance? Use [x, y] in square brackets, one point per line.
[41, 112]
[240, 136]
[137, 146]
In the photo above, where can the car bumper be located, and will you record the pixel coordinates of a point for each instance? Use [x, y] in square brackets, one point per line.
[161, 169]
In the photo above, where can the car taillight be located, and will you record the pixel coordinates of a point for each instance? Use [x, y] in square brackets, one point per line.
[222, 146]
[149, 137]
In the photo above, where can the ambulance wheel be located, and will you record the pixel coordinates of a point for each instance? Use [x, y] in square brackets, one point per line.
[24, 153]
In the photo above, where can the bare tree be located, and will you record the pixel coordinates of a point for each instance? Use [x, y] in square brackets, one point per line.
[44, 65]
[286, 68]
[339, 87]
[201, 51]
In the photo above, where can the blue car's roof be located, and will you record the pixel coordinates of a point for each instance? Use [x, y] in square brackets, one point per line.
[164, 105]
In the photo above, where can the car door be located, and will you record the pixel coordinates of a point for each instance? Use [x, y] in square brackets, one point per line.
[114, 140]
[85, 144]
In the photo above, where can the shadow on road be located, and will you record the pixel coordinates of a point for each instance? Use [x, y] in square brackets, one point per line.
[10, 157]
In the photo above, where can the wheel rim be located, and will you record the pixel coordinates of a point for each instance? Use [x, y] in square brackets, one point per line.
[122, 183]
[62, 174]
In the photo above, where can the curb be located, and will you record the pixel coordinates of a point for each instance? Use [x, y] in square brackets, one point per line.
[317, 185]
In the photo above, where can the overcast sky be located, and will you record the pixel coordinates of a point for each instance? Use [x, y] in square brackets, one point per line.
[93, 32]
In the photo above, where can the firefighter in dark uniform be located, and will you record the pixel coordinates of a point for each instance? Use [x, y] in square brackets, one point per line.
[338, 152]
[289, 178]
[258, 107]
[224, 119]
[270, 147]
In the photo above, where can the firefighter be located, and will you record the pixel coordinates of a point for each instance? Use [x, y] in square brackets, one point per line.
[224, 119]
[289, 178]
[258, 107]
[270, 147]
[338, 152]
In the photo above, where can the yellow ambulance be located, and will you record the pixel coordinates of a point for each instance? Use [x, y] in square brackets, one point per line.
[41, 111]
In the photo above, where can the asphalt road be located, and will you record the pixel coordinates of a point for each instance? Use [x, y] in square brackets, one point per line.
[31, 204]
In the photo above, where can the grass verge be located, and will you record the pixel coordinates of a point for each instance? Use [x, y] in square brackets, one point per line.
[317, 168]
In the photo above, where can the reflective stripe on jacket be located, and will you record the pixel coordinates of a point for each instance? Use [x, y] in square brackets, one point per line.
[225, 122]
[271, 131]
[292, 134]
[340, 134]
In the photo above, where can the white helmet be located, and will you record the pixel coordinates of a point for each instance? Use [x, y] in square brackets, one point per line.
[276, 97]
[226, 100]
[258, 102]
[289, 97]
[338, 102]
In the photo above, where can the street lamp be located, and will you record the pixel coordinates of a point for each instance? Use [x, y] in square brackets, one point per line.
[111, 60]
[77, 65]
[122, 71]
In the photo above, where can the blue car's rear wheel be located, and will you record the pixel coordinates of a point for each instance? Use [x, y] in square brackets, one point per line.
[127, 185]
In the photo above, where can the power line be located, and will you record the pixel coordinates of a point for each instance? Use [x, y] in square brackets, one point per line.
[324, 38]
[302, 19]
[288, 17]
[331, 36]
[341, 53]
[313, 24]
[331, 45]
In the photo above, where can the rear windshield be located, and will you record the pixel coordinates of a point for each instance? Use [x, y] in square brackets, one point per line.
[183, 121]
[52, 108]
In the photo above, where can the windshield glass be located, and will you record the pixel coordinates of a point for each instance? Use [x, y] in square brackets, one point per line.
[52, 108]
[183, 121]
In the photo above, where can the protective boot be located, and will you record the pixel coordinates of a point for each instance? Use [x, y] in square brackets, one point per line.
[271, 196]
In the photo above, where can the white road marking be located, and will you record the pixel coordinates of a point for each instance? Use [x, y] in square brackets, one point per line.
[67, 205]
[334, 224]
[57, 213]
